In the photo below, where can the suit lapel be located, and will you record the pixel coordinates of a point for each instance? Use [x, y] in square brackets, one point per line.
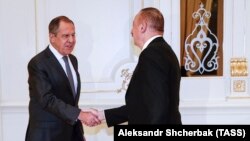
[78, 79]
[54, 62]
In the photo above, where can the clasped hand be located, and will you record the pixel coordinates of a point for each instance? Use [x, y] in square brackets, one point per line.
[91, 117]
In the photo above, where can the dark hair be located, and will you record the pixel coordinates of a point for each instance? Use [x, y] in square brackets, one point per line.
[55, 23]
[154, 17]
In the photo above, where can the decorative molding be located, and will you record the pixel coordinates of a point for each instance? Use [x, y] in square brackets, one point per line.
[238, 67]
[239, 86]
[1, 123]
[205, 109]
[41, 21]
[239, 81]
[127, 76]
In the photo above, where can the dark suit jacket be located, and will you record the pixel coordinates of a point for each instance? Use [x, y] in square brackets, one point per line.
[153, 93]
[53, 110]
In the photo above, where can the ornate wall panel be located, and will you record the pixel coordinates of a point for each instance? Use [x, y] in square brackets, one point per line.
[104, 47]
[202, 37]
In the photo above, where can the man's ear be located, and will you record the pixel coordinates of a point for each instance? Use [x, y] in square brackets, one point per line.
[143, 26]
[51, 37]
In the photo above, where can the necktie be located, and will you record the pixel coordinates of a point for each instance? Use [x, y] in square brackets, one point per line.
[69, 74]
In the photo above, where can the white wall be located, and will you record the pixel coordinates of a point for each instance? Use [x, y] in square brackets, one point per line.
[104, 48]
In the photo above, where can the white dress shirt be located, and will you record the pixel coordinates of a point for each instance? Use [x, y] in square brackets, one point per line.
[59, 57]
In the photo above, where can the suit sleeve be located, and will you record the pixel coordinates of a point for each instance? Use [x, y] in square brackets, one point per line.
[116, 115]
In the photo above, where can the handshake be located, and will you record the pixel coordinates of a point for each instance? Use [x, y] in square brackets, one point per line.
[91, 117]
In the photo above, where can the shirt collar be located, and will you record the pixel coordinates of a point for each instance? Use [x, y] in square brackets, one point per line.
[150, 40]
[55, 52]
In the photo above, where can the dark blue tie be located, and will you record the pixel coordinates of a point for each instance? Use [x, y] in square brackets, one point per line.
[69, 74]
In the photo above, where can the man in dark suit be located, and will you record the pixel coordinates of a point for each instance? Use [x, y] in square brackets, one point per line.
[152, 96]
[54, 114]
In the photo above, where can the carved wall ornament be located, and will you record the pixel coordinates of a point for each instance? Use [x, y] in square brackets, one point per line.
[201, 46]
[239, 86]
[238, 67]
[127, 76]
